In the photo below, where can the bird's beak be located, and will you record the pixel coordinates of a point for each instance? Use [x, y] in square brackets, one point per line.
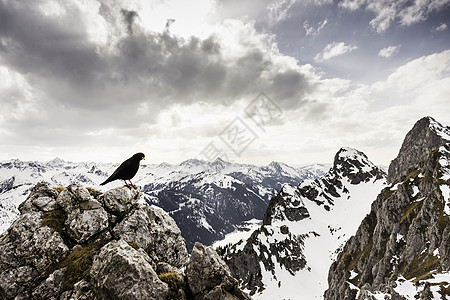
[143, 158]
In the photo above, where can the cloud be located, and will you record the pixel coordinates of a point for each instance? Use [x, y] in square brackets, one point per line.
[313, 31]
[352, 5]
[334, 49]
[387, 12]
[279, 10]
[441, 27]
[388, 52]
[78, 84]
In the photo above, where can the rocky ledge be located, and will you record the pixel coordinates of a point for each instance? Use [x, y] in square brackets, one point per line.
[75, 243]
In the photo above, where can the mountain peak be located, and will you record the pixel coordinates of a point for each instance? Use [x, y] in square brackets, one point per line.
[355, 165]
[192, 162]
[426, 136]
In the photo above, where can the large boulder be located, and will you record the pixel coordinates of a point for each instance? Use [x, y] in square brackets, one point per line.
[124, 272]
[210, 278]
[155, 231]
[85, 215]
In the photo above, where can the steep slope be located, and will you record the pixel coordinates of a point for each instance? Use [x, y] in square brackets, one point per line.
[402, 248]
[303, 228]
[76, 244]
[206, 199]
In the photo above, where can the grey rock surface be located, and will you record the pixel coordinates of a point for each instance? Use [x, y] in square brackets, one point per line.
[79, 244]
[155, 231]
[417, 146]
[210, 278]
[124, 272]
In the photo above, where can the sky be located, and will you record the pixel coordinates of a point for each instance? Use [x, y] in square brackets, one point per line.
[247, 81]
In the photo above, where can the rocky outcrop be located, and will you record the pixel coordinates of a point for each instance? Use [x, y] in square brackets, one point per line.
[80, 244]
[126, 273]
[402, 248]
[210, 278]
[426, 136]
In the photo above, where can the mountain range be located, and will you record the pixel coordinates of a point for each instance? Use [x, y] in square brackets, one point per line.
[304, 228]
[206, 199]
[356, 232]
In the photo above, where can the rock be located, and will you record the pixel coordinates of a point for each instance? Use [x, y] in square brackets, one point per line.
[210, 278]
[41, 198]
[287, 205]
[85, 215]
[122, 271]
[72, 246]
[155, 231]
[27, 249]
[51, 286]
[424, 138]
[120, 200]
[82, 290]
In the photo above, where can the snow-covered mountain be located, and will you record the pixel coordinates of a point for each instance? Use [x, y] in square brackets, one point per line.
[206, 199]
[401, 250]
[304, 228]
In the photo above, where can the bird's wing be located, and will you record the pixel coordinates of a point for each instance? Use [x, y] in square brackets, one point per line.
[122, 166]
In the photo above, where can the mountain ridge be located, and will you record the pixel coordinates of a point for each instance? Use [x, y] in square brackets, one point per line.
[402, 248]
[299, 226]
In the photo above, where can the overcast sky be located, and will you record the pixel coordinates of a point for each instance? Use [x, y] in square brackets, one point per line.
[250, 81]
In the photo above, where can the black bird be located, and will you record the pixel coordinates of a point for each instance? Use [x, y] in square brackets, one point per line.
[127, 169]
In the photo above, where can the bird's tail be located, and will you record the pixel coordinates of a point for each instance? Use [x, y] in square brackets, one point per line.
[105, 182]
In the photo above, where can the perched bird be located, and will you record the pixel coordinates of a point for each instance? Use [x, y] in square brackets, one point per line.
[127, 169]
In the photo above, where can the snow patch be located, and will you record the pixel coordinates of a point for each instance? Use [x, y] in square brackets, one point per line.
[445, 190]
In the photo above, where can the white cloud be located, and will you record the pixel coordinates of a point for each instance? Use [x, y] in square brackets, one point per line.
[313, 31]
[352, 5]
[388, 52]
[387, 12]
[279, 10]
[441, 27]
[334, 49]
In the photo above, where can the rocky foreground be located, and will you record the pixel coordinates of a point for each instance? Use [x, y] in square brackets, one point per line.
[80, 244]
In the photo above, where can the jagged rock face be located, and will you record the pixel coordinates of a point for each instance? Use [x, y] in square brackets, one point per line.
[314, 213]
[264, 252]
[349, 165]
[287, 205]
[125, 272]
[402, 248]
[355, 165]
[72, 245]
[151, 229]
[210, 278]
[425, 137]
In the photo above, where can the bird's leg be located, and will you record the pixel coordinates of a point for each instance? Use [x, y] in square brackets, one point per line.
[126, 183]
[131, 183]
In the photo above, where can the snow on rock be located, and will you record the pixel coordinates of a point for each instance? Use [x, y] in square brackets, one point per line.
[303, 230]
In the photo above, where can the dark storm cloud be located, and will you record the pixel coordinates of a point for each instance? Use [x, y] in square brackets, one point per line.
[129, 17]
[72, 72]
[33, 44]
